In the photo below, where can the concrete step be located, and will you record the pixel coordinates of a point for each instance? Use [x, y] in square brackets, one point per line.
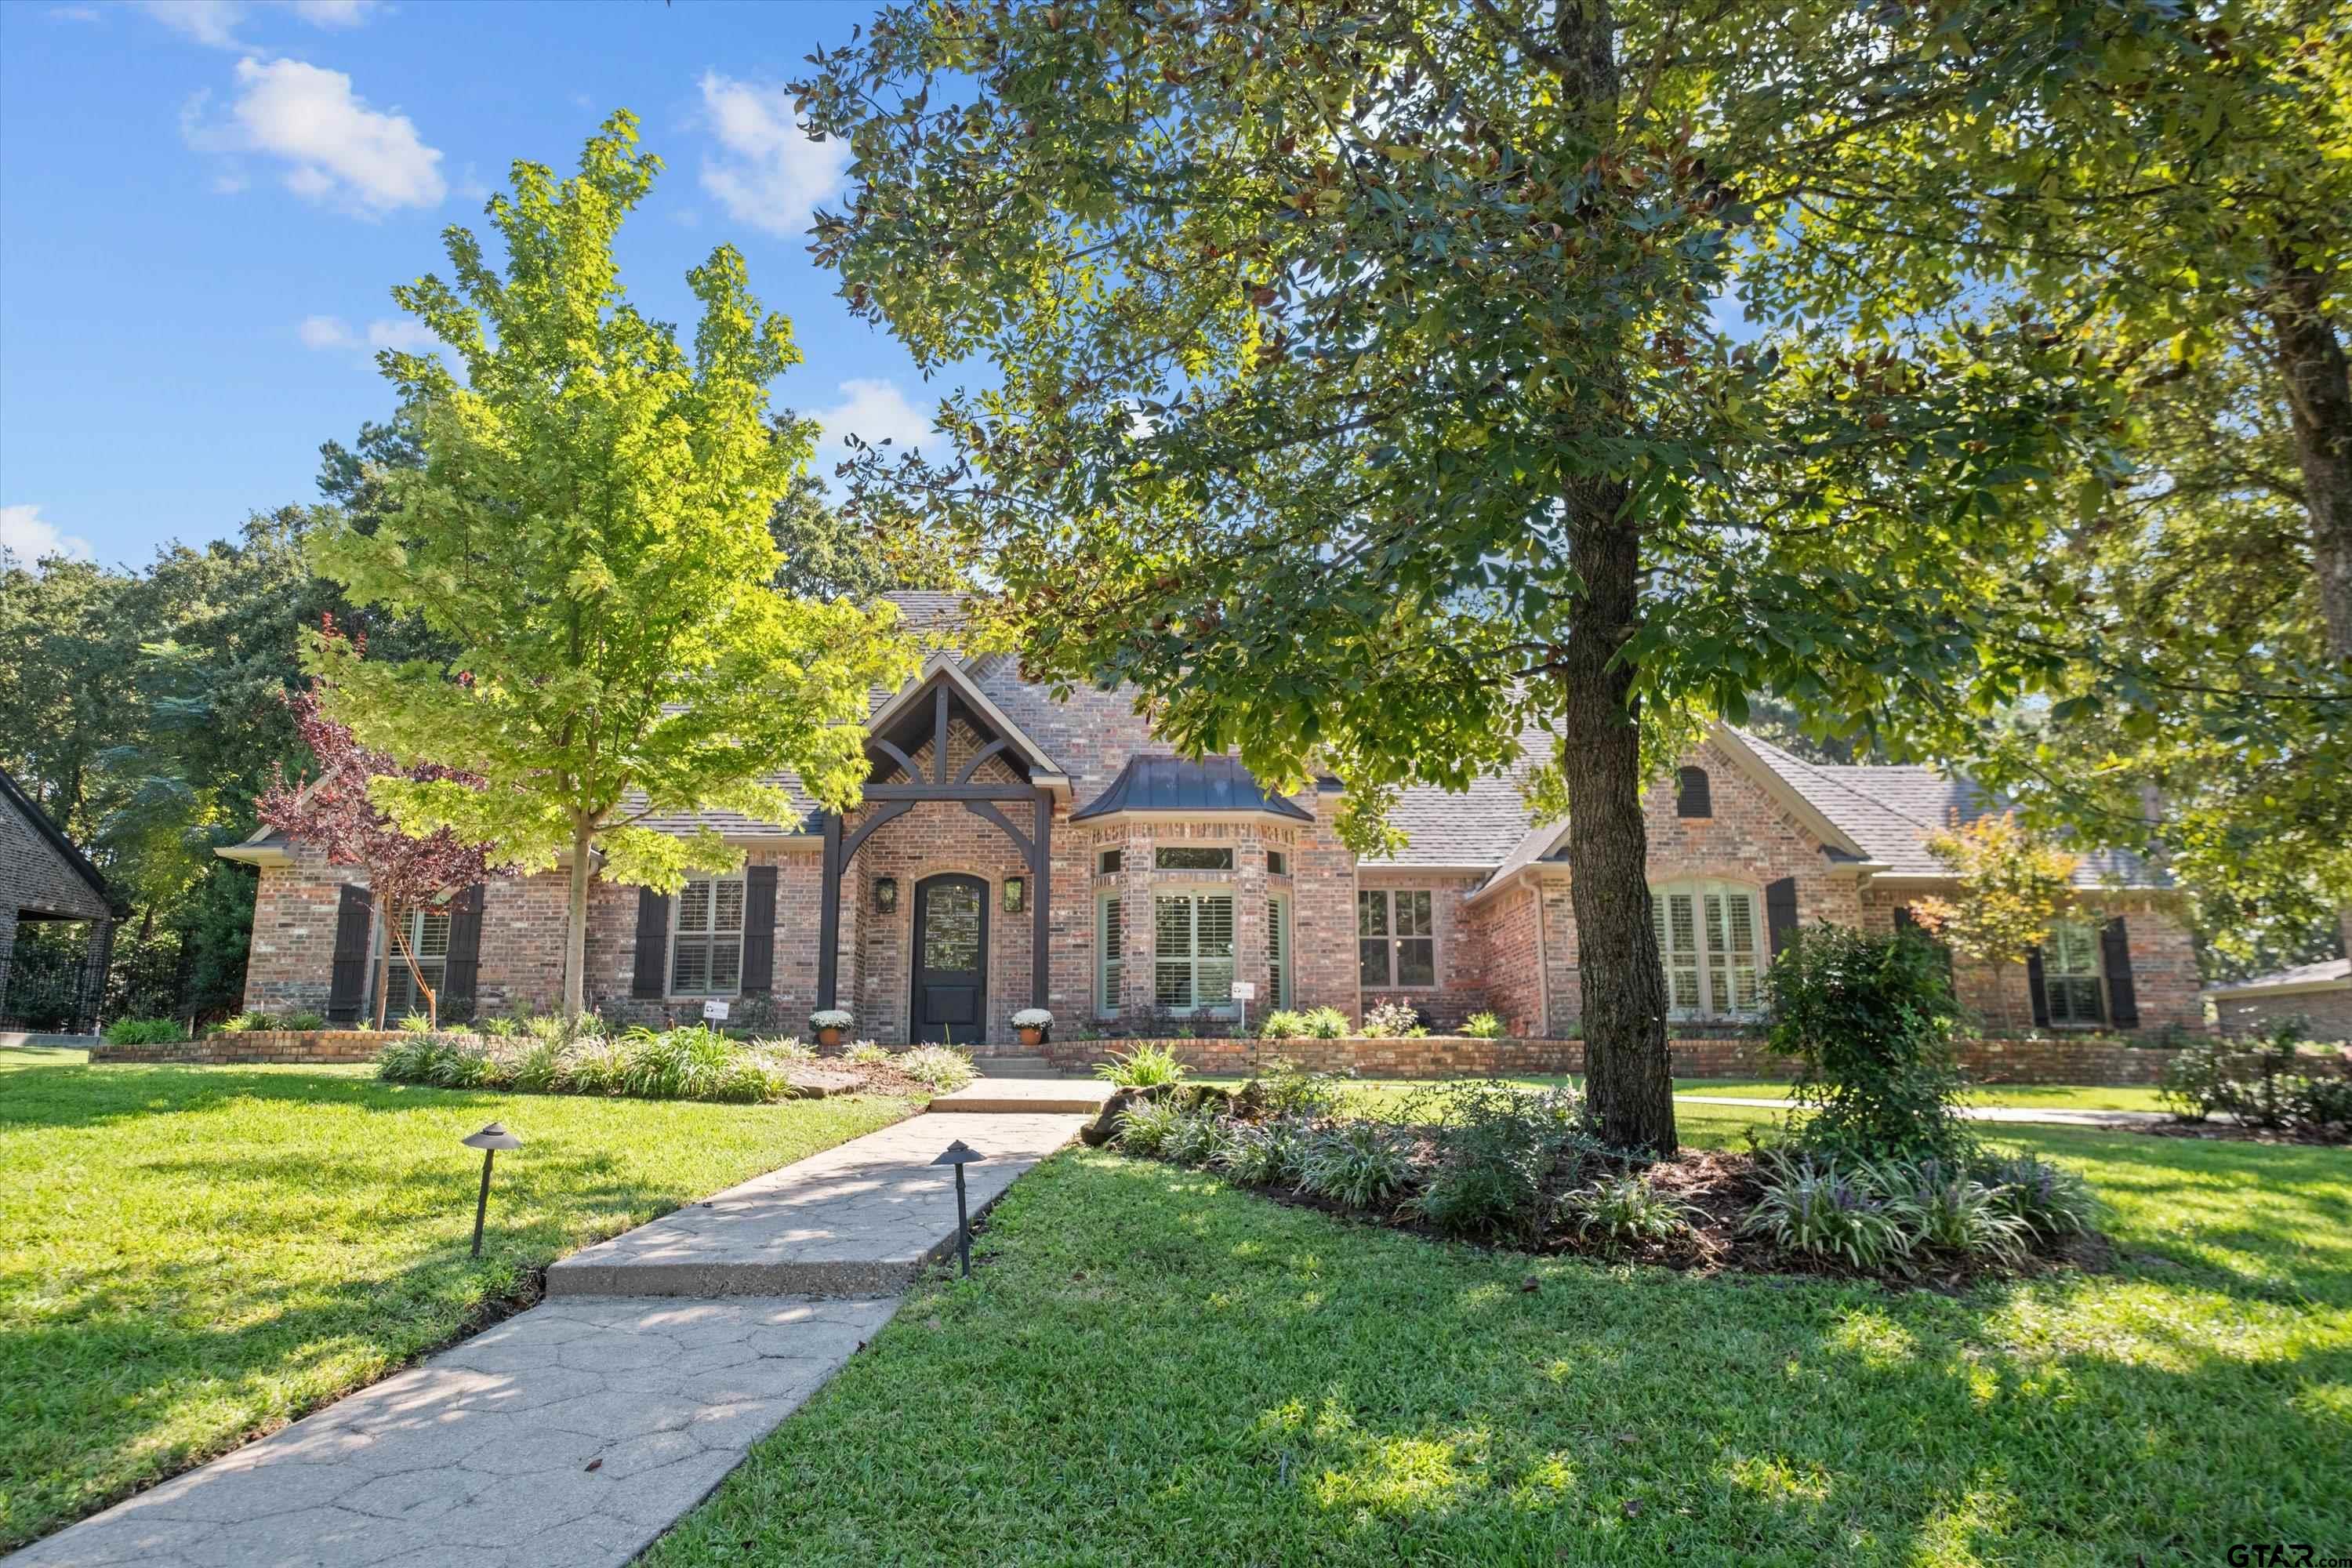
[1014, 1067]
[999, 1095]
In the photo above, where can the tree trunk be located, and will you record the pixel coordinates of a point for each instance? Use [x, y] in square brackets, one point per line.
[1628, 1074]
[2319, 401]
[384, 965]
[575, 926]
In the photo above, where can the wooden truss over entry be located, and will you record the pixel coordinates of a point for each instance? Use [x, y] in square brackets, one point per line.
[922, 714]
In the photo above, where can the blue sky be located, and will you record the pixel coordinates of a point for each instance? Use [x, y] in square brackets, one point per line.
[204, 205]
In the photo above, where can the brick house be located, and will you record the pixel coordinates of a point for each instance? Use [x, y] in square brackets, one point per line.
[2316, 995]
[46, 881]
[1015, 850]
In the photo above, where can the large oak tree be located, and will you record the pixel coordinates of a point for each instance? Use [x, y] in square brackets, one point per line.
[1363, 391]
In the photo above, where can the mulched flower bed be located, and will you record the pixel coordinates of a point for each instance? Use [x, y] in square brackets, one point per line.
[2235, 1132]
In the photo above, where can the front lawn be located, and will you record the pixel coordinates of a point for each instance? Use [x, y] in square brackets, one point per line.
[2027, 1096]
[1150, 1367]
[195, 1255]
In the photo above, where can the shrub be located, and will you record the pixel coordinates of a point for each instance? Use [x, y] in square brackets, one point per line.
[1287, 1089]
[691, 1063]
[500, 1027]
[1483, 1027]
[1870, 1021]
[2047, 1199]
[415, 1024]
[245, 1024]
[1391, 1020]
[943, 1069]
[2268, 1082]
[538, 1066]
[144, 1032]
[550, 1028]
[1820, 1210]
[303, 1023]
[1263, 1154]
[1944, 1207]
[597, 1065]
[1494, 1149]
[788, 1049]
[1197, 1137]
[1144, 1126]
[1145, 1067]
[1625, 1210]
[1283, 1023]
[866, 1053]
[1359, 1163]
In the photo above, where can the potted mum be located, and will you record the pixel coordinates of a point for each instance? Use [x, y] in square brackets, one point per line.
[828, 1023]
[1035, 1023]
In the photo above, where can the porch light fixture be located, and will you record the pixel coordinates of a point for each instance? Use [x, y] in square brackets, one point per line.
[960, 1154]
[886, 893]
[490, 1140]
[1015, 890]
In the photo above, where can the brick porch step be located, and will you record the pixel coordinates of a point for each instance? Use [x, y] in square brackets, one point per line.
[1035, 1095]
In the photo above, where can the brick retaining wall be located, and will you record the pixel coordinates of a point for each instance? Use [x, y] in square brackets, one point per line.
[320, 1048]
[1435, 1056]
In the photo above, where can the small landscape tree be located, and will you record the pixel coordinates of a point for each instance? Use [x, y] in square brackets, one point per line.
[335, 813]
[590, 530]
[2013, 885]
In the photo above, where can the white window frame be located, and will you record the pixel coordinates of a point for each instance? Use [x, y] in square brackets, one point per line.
[1727, 986]
[1224, 849]
[399, 986]
[1278, 956]
[2072, 968]
[712, 936]
[1200, 967]
[1391, 938]
[1110, 954]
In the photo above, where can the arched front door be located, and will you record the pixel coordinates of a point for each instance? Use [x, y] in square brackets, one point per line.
[950, 1002]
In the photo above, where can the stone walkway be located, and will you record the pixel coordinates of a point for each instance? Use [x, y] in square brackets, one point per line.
[574, 1434]
[2055, 1116]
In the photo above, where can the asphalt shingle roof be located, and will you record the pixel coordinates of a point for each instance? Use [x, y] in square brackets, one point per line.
[1477, 826]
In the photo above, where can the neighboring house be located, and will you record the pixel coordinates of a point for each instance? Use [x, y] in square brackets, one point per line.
[45, 879]
[2316, 995]
[1015, 850]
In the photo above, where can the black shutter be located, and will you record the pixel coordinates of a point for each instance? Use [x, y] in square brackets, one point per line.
[2114, 958]
[1692, 797]
[347, 987]
[1904, 920]
[1780, 912]
[759, 929]
[653, 943]
[2035, 989]
[461, 978]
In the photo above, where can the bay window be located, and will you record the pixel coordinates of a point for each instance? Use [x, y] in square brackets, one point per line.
[1193, 951]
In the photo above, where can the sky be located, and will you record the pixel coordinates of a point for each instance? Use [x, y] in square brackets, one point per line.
[204, 203]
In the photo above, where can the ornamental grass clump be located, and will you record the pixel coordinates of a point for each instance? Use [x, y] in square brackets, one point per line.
[1823, 1212]
[1944, 1208]
[1264, 1153]
[1145, 1067]
[942, 1069]
[1361, 1164]
[1625, 1210]
[2050, 1201]
[1197, 1136]
[1144, 1126]
[1494, 1150]
[144, 1032]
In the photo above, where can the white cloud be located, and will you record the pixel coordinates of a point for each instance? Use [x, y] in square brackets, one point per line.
[27, 536]
[364, 160]
[333, 333]
[770, 173]
[214, 22]
[875, 411]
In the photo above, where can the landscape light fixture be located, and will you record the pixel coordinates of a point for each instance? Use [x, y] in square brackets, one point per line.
[960, 1154]
[490, 1140]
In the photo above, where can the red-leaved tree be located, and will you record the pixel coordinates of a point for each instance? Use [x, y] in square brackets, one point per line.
[332, 812]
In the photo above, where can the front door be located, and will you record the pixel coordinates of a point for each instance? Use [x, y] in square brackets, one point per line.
[951, 1004]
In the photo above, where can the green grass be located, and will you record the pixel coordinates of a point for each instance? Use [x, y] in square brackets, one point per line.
[2030, 1096]
[194, 1256]
[1152, 1368]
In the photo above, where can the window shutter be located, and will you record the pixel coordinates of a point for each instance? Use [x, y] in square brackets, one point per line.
[2114, 958]
[653, 943]
[759, 929]
[461, 973]
[346, 986]
[1692, 797]
[1780, 912]
[2035, 989]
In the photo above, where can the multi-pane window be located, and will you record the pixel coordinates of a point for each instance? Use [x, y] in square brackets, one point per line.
[1396, 938]
[1711, 939]
[2070, 973]
[1192, 858]
[1193, 951]
[428, 943]
[1277, 952]
[1110, 950]
[1277, 864]
[706, 938]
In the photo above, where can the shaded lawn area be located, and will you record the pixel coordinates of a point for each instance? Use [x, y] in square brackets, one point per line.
[2029, 1095]
[197, 1255]
[1153, 1368]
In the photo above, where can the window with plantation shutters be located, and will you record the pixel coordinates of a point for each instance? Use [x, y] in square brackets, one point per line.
[428, 942]
[1711, 940]
[706, 938]
[1110, 950]
[1193, 951]
[1277, 952]
[2070, 973]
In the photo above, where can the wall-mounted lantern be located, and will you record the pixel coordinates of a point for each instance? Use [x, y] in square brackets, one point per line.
[1015, 890]
[886, 893]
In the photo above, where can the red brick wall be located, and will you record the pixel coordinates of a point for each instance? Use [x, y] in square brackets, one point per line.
[1987, 1061]
[1462, 967]
[2325, 1015]
[325, 1047]
[291, 962]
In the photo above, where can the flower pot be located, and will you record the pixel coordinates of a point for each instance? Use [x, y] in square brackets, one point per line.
[828, 1040]
[1032, 1035]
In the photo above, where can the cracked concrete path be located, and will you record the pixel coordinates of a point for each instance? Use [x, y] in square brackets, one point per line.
[574, 1434]
[861, 1219]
